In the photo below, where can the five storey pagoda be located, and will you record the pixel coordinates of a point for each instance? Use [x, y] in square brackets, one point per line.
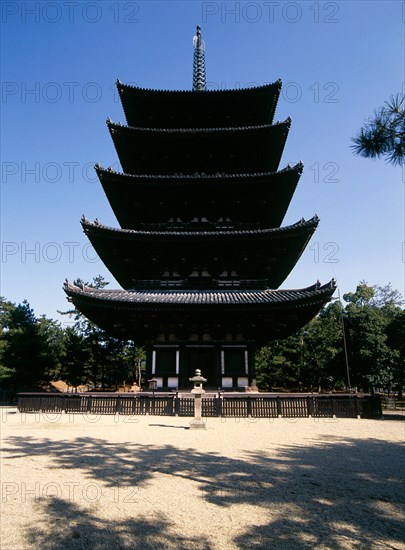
[201, 252]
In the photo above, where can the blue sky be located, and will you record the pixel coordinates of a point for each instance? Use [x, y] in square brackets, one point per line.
[60, 60]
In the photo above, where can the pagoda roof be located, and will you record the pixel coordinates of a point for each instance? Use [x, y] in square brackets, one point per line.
[157, 298]
[258, 198]
[131, 234]
[262, 315]
[145, 107]
[265, 257]
[210, 150]
[198, 178]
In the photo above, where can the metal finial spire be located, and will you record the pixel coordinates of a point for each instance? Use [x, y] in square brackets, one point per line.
[198, 62]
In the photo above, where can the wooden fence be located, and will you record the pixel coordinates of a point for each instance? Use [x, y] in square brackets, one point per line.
[7, 397]
[225, 404]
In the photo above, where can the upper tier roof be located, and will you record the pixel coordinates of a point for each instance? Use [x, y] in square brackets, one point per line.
[189, 109]
[260, 199]
[192, 259]
[207, 150]
[259, 316]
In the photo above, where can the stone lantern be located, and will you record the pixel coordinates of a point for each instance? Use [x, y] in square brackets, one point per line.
[197, 422]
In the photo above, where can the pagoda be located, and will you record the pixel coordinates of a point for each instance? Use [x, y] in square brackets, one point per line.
[200, 252]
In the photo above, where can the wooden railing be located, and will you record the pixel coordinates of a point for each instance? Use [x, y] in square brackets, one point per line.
[259, 405]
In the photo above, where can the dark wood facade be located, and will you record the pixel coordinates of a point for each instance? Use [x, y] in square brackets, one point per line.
[240, 200]
[223, 258]
[200, 250]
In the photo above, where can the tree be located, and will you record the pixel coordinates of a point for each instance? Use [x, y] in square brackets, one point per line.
[374, 326]
[384, 134]
[108, 362]
[363, 295]
[324, 336]
[277, 365]
[6, 307]
[76, 358]
[370, 357]
[369, 312]
[31, 348]
[23, 346]
[396, 341]
[52, 346]
[92, 338]
[118, 362]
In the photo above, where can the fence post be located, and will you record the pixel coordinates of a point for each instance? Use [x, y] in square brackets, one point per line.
[89, 403]
[118, 405]
[310, 406]
[333, 407]
[249, 407]
[278, 406]
[218, 401]
[177, 405]
[358, 407]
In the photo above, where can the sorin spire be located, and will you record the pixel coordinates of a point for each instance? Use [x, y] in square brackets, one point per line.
[198, 62]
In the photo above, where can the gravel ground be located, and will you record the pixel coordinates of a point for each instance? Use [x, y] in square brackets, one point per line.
[105, 482]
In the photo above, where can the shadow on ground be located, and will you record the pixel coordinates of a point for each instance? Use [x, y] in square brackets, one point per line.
[70, 527]
[340, 493]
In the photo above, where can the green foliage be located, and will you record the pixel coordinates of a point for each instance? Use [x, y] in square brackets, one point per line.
[105, 362]
[324, 338]
[374, 326]
[30, 347]
[35, 350]
[6, 308]
[53, 338]
[274, 365]
[396, 343]
[75, 359]
[6, 373]
[362, 296]
[367, 317]
[384, 134]
[369, 356]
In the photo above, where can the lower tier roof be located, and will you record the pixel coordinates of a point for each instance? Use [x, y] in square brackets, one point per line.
[142, 316]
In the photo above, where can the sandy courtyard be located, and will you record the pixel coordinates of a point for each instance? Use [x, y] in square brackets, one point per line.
[105, 482]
